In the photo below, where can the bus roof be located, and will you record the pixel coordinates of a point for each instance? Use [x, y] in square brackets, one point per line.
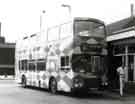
[88, 19]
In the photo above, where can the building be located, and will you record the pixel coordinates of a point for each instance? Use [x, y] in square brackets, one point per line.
[7, 53]
[121, 47]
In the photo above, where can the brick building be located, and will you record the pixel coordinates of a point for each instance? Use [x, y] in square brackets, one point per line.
[7, 53]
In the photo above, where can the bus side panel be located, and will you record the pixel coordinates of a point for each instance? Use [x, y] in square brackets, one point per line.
[65, 81]
[45, 79]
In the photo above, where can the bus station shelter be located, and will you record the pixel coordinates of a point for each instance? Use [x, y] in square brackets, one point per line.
[121, 47]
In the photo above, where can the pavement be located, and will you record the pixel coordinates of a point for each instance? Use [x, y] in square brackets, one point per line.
[9, 77]
[129, 93]
[13, 93]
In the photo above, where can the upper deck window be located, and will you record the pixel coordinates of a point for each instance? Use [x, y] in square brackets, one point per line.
[89, 28]
[65, 30]
[53, 33]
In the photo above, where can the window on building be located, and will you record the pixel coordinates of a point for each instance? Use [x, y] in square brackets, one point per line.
[118, 50]
[131, 49]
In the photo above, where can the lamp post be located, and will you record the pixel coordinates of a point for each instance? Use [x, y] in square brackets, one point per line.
[69, 8]
[41, 21]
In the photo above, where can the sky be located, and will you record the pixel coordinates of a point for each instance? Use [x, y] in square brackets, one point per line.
[20, 18]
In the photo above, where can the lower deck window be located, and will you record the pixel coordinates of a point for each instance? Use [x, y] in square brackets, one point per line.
[23, 65]
[64, 62]
[40, 66]
[31, 66]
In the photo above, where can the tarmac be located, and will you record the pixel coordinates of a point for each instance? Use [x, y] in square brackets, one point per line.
[129, 92]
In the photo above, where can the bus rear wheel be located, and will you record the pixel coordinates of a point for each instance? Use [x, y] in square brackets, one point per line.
[24, 82]
[53, 86]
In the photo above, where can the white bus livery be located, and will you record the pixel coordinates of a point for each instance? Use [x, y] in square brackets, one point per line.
[70, 58]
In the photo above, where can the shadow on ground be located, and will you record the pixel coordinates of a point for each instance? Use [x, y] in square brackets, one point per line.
[96, 95]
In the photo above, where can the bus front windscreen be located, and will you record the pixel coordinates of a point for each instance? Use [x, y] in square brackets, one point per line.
[86, 63]
[89, 28]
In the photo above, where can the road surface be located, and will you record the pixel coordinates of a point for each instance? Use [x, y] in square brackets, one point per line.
[12, 93]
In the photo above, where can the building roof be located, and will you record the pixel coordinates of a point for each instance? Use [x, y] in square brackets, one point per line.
[7, 45]
[4, 44]
[88, 19]
[123, 24]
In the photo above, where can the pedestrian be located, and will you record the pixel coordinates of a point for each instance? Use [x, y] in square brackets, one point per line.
[121, 73]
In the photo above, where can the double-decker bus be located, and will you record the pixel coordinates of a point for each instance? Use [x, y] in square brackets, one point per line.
[71, 58]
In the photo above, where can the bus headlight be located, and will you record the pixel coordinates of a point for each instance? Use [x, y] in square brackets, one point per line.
[104, 80]
[78, 82]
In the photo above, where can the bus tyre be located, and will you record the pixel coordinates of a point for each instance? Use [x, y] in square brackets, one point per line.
[53, 86]
[24, 82]
[39, 84]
